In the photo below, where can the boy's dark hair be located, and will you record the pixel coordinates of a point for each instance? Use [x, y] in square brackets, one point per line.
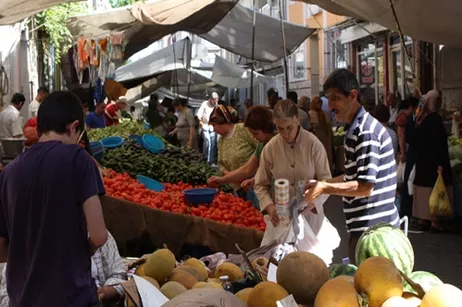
[342, 80]
[382, 113]
[43, 89]
[260, 118]
[57, 111]
[18, 98]
[292, 95]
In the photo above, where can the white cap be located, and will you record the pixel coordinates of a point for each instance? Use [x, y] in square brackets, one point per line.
[122, 99]
[215, 95]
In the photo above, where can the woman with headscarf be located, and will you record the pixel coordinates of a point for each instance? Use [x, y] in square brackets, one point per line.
[322, 127]
[431, 159]
[236, 144]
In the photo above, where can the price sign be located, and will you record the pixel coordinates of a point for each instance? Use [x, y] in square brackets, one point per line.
[287, 302]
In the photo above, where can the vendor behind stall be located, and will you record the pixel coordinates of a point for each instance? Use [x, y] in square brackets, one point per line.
[108, 272]
[95, 119]
[236, 145]
[112, 112]
[10, 118]
[259, 122]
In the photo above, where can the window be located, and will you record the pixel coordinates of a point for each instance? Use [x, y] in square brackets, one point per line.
[298, 63]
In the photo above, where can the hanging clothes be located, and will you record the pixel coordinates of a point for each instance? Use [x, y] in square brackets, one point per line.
[117, 46]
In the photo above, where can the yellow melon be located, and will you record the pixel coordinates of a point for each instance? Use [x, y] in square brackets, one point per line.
[140, 270]
[302, 274]
[193, 271]
[338, 292]
[160, 265]
[445, 295]
[396, 301]
[244, 294]
[172, 288]
[266, 294]
[413, 299]
[183, 277]
[202, 284]
[231, 270]
[379, 279]
[152, 281]
[198, 265]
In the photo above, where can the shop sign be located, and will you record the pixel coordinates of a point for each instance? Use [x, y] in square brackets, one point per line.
[367, 74]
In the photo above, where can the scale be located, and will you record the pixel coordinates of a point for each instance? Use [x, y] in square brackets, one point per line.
[11, 148]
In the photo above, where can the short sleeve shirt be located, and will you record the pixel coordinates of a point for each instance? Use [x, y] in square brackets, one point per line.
[112, 110]
[41, 216]
[259, 150]
[95, 121]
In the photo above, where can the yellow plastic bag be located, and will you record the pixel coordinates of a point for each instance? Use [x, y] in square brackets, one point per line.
[439, 199]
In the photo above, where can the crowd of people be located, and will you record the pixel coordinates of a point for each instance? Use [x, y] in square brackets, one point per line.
[51, 213]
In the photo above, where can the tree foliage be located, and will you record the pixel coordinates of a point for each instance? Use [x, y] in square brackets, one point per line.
[120, 3]
[53, 22]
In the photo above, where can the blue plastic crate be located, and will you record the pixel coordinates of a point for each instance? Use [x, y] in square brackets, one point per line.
[112, 142]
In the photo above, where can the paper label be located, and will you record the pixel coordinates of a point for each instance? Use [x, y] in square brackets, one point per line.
[150, 295]
[272, 273]
[287, 302]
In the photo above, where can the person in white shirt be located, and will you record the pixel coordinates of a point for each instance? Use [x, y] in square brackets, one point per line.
[10, 118]
[42, 93]
[210, 137]
[392, 103]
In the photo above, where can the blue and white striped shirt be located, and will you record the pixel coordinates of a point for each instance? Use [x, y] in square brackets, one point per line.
[369, 157]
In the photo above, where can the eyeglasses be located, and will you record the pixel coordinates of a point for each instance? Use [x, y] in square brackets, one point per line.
[81, 136]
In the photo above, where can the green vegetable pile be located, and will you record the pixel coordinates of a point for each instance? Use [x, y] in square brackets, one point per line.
[124, 129]
[172, 166]
[339, 135]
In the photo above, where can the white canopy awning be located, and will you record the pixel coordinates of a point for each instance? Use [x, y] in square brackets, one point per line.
[172, 57]
[427, 20]
[12, 11]
[231, 75]
[145, 23]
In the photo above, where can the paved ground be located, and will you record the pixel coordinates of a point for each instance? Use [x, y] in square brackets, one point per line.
[440, 254]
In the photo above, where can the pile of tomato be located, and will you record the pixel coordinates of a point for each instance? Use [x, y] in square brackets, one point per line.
[225, 208]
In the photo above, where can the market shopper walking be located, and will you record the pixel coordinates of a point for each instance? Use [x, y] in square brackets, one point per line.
[51, 220]
[368, 186]
[431, 159]
[209, 135]
[185, 126]
[42, 93]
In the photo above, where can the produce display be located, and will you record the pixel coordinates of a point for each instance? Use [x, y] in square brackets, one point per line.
[339, 135]
[376, 282]
[123, 129]
[225, 208]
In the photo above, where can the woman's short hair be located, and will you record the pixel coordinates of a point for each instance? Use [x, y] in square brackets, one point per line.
[57, 111]
[260, 118]
[382, 113]
[285, 109]
[222, 114]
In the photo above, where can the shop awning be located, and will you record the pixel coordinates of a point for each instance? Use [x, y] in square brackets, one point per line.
[231, 75]
[427, 20]
[172, 57]
[145, 23]
[12, 11]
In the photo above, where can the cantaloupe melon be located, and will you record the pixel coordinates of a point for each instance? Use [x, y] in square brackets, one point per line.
[266, 294]
[193, 271]
[231, 270]
[140, 270]
[198, 265]
[445, 295]
[152, 281]
[379, 279]
[396, 301]
[339, 292]
[244, 294]
[172, 288]
[302, 274]
[160, 265]
[183, 277]
[202, 285]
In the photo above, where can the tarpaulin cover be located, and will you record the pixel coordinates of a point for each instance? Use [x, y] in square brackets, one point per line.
[12, 11]
[145, 23]
[232, 75]
[427, 20]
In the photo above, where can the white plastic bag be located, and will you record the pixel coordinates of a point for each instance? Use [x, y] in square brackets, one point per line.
[400, 173]
[410, 182]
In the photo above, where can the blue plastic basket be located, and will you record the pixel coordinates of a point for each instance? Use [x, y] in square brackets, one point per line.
[97, 150]
[136, 138]
[112, 142]
[150, 183]
[153, 143]
[200, 195]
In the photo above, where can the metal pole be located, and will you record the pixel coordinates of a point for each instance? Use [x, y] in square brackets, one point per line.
[253, 53]
[286, 71]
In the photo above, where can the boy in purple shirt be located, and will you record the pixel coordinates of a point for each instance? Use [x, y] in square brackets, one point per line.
[51, 220]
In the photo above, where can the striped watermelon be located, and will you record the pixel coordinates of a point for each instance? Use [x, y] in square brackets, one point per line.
[387, 241]
[336, 270]
[425, 279]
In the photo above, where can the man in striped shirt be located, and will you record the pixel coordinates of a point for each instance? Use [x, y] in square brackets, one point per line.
[369, 183]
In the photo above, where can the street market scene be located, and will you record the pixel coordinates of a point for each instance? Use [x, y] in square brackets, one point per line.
[230, 153]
